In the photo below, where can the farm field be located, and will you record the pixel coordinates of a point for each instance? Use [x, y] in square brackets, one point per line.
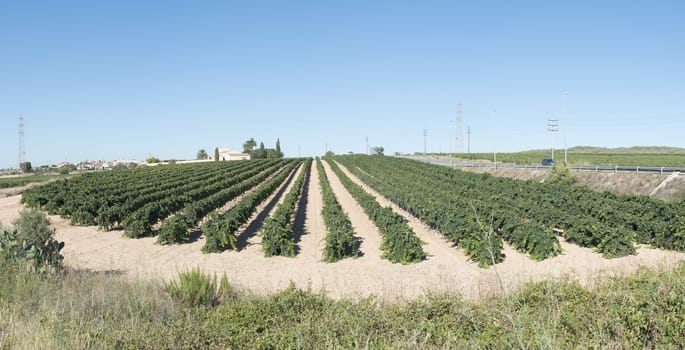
[23, 180]
[535, 157]
[176, 212]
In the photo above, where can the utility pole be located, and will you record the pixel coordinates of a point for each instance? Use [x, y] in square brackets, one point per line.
[563, 116]
[425, 135]
[468, 133]
[553, 127]
[22, 151]
[326, 149]
[367, 145]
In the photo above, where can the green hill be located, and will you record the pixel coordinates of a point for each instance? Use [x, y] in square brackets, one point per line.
[619, 150]
[628, 150]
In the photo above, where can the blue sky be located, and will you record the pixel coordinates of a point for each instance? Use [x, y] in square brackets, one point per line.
[129, 79]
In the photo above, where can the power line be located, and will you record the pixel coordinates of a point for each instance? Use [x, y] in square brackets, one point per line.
[468, 133]
[553, 127]
[626, 122]
[459, 145]
[425, 135]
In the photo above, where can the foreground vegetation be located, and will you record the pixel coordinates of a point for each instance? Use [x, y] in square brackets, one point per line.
[85, 310]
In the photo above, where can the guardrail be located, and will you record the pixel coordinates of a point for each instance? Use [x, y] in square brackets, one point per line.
[586, 168]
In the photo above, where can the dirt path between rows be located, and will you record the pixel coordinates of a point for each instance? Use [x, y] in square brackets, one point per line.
[312, 240]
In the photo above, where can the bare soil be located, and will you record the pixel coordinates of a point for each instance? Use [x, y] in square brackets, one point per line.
[445, 269]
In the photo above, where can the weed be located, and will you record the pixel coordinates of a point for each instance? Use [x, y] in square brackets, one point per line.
[195, 288]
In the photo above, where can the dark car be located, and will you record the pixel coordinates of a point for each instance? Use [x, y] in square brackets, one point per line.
[548, 162]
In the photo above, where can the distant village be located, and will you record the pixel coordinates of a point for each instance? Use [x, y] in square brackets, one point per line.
[250, 151]
[224, 154]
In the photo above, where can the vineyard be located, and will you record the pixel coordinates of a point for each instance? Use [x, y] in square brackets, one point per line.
[176, 199]
[478, 213]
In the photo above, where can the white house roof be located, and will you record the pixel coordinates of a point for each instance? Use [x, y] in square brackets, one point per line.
[229, 151]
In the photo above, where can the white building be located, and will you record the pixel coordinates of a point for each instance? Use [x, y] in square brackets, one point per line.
[230, 154]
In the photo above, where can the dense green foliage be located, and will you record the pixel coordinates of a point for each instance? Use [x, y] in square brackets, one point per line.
[138, 198]
[140, 222]
[461, 204]
[535, 157]
[31, 241]
[68, 168]
[340, 239]
[400, 244]
[176, 229]
[202, 154]
[106, 198]
[277, 233]
[428, 197]
[220, 229]
[87, 310]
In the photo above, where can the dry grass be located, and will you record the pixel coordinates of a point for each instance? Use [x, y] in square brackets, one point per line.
[618, 183]
[674, 190]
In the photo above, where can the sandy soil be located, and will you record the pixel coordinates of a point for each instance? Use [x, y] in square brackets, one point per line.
[446, 268]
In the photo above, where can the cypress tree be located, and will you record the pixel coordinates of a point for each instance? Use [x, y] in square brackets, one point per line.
[262, 151]
[279, 154]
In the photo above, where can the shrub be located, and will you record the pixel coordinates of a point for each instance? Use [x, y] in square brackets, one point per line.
[31, 240]
[562, 175]
[220, 233]
[616, 242]
[195, 288]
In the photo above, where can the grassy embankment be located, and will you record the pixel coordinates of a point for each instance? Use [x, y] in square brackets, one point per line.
[97, 310]
[18, 181]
